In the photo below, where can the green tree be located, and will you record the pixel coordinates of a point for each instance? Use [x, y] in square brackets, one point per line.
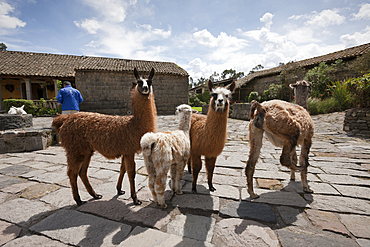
[230, 73]
[256, 68]
[321, 78]
[3, 47]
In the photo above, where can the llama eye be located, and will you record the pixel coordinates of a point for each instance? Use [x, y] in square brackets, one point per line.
[214, 95]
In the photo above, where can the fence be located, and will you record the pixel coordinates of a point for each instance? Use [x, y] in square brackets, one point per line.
[52, 104]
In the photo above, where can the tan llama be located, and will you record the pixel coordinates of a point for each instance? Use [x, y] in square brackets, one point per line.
[285, 125]
[208, 133]
[167, 150]
[83, 133]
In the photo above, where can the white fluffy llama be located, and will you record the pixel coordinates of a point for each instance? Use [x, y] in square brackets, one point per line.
[208, 133]
[167, 150]
[286, 125]
[83, 133]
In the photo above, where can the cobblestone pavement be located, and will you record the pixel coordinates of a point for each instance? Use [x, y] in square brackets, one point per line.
[37, 208]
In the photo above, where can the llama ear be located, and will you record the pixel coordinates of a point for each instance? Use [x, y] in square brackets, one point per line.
[210, 86]
[136, 74]
[151, 74]
[231, 86]
[22, 107]
[292, 86]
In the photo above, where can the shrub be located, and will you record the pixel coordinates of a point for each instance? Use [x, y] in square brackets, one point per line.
[253, 96]
[359, 89]
[320, 76]
[29, 106]
[341, 95]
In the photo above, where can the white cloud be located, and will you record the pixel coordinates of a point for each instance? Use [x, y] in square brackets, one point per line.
[325, 18]
[204, 37]
[267, 19]
[6, 21]
[363, 13]
[358, 38]
[91, 26]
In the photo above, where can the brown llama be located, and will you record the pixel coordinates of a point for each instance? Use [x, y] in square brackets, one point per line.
[302, 89]
[167, 150]
[83, 133]
[286, 125]
[208, 133]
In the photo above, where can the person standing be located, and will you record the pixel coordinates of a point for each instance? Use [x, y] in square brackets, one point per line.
[70, 98]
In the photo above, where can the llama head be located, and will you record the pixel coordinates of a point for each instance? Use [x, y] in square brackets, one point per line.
[144, 86]
[302, 89]
[183, 109]
[220, 96]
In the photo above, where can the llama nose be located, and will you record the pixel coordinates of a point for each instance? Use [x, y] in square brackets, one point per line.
[220, 101]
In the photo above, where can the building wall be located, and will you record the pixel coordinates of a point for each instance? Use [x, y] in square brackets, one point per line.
[110, 92]
[6, 94]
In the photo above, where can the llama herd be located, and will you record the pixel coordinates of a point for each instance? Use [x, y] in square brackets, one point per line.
[81, 134]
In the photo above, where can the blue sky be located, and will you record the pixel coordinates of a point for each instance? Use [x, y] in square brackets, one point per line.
[201, 36]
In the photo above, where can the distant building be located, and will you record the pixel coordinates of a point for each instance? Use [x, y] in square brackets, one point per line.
[262, 79]
[105, 83]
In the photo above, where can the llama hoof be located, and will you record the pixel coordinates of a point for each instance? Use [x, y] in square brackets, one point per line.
[308, 190]
[179, 192]
[212, 189]
[137, 202]
[97, 196]
[164, 205]
[79, 203]
[254, 196]
[194, 190]
[120, 192]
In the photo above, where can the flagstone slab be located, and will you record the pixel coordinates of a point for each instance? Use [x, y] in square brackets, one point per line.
[363, 242]
[34, 240]
[343, 179]
[288, 238]
[318, 188]
[225, 191]
[339, 204]
[24, 212]
[8, 232]
[140, 236]
[358, 225]
[229, 180]
[255, 211]
[239, 232]
[16, 188]
[63, 197]
[6, 181]
[292, 216]
[197, 201]
[276, 198]
[192, 226]
[327, 221]
[353, 191]
[150, 216]
[76, 228]
[350, 172]
[39, 190]
[15, 170]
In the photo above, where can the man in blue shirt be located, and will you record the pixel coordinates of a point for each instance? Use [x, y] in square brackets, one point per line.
[70, 98]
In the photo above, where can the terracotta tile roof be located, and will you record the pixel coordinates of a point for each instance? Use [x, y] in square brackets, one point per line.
[15, 63]
[343, 54]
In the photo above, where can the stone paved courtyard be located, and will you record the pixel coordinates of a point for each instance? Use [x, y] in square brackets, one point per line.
[37, 208]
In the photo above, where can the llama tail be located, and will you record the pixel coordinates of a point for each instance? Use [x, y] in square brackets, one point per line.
[147, 143]
[58, 122]
[259, 117]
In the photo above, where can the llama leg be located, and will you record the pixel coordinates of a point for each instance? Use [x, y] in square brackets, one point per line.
[130, 168]
[293, 156]
[189, 166]
[196, 164]
[255, 139]
[121, 175]
[160, 185]
[179, 173]
[173, 177]
[210, 166]
[151, 172]
[85, 180]
[303, 162]
[73, 168]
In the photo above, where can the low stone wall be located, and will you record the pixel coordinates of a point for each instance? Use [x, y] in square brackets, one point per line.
[240, 111]
[10, 121]
[28, 139]
[357, 121]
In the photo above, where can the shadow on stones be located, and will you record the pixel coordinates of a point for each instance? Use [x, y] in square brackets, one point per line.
[288, 204]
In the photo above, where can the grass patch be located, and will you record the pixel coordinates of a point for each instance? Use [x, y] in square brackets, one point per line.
[198, 108]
